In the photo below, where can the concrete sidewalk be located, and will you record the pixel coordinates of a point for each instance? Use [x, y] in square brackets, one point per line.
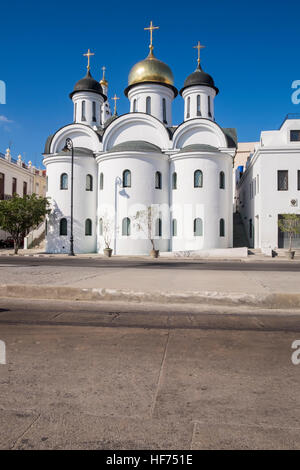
[150, 283]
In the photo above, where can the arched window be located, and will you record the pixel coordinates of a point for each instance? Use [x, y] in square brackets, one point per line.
[148, 105]
[174, 228]
[222, 228]
[158, 227]
[198, 105]
[63, 227]
[198, 179]
[188, 107]
[198, 227]
[101, 226]
[174, 180]
[158, 180]
[94, 111]
[126, 179]
[64, 181]
[89, 183]
[88, 227]
[134, 106]
[83, 111]
[209, 106]
[164, 106]
[222, 180]
[126, 227]
[101, 181]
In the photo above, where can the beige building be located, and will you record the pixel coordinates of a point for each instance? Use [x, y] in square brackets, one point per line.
[18, 177]
[244, 150]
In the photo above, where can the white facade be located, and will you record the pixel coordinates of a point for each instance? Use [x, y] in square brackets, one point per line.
[261, 197]
[132, 159]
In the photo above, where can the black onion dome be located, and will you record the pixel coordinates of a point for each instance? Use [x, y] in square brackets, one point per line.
[88, 83]
[199, 78]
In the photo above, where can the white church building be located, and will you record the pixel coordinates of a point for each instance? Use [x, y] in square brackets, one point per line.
[125, 164]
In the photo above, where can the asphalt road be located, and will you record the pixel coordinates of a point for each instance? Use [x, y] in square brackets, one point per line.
[84, 376]
[117, 263]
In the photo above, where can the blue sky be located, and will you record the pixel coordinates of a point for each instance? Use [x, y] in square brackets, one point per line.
[252, 52]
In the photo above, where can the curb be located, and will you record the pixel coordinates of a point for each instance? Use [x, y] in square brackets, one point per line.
[269, 301]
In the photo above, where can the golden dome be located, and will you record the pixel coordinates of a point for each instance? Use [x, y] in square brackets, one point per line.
[150, 70]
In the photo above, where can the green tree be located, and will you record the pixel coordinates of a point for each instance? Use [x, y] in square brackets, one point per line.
[19, 214]
[290, 224]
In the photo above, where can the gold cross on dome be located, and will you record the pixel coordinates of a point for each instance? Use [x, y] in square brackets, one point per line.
[88, 55]
[199, 47]
[115, 98]
[151, 28]
[103, 69]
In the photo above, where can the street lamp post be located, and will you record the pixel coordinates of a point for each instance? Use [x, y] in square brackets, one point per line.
[69, 146]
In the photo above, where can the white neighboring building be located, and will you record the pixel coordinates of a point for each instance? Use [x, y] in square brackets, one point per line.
[270, 186]
[130, 162]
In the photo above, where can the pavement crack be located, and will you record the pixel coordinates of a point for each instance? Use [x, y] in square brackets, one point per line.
[26, 430]
[160, 376]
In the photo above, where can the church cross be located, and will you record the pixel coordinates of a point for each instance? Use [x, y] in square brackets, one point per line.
[88, 55]
[199, 47]
[115, 98]
[151, 28]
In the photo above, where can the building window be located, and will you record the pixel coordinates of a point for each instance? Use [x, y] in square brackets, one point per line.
[100, 226]
[164, 106]
[198, 179]
[174, 180]
[63, 227]
[24, 188]
[89, 183]
[158, 180]
[126, 179]
[222, 180]
[88, 227]
[101, 181]
[188, 107]
[295, 136]
[37, 188]
[198, 227]
[94, 111]
[158, 227]
[83, 111]
[46, 226]
[14, 186]
[134, 106]
[222, 228]
[64, 181]
[174, 228]
[209, 106]
[282, 180]
[250, 228]
[198, 105]
[148, 105]
[75, 112]
[2, 181]
[126, 227]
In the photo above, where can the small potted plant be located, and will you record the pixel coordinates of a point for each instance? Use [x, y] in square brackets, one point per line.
[107, 225]
[290, 224]
[144, 220]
